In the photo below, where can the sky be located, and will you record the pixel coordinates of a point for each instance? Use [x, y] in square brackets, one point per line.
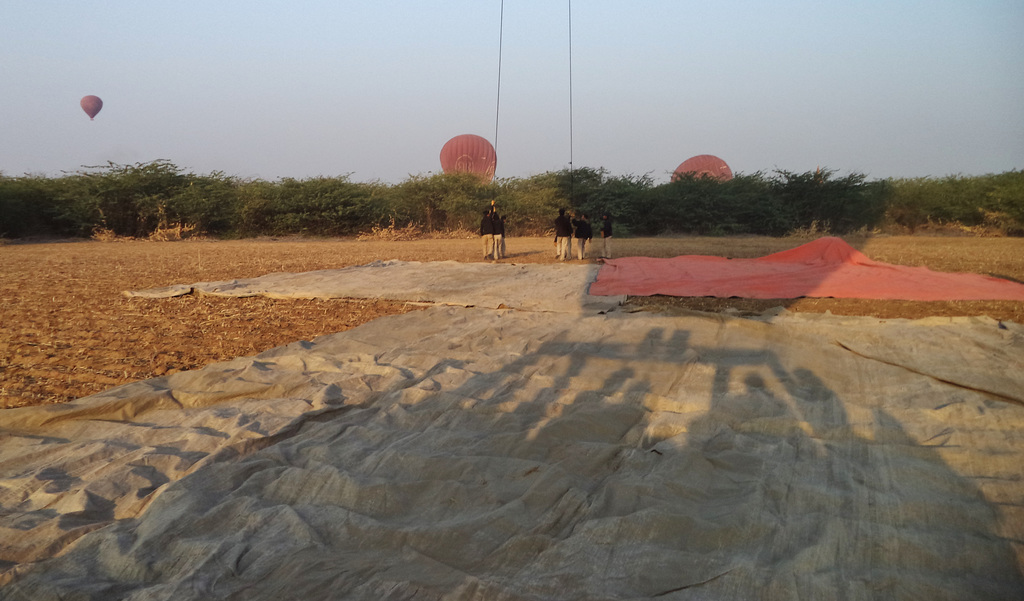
[373, 89]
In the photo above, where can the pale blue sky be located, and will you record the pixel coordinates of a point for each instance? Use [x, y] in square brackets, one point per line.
[298, 89]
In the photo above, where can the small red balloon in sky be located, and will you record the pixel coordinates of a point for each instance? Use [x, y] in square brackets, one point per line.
[704, 165]
[91, 105]
[469, 154]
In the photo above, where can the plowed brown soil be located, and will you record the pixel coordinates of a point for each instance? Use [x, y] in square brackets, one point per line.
[66, 330]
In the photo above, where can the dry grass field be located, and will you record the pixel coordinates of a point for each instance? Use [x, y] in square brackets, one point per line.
[66, 331]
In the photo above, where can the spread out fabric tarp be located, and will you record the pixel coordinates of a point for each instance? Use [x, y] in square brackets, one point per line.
[468, 453]
[827, 267]
[531, 287]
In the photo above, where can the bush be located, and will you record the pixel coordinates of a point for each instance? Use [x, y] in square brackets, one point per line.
[840, 205]
[136, 200]
[697, 205]
[27, 207]
[994, 201]
[129, 200]
[704, 205]
[209, 203]
[320, 206]
[443, 202]
[126, 200]
[530, 205]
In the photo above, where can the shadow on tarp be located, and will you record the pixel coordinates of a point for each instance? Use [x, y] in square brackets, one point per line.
[582, 469]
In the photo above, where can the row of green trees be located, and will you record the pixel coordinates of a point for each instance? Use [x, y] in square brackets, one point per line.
[137, 200]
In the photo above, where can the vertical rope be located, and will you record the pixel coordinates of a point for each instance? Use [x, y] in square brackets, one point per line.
[497, 103]
[572, 176]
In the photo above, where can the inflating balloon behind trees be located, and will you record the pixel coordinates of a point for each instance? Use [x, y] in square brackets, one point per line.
[469, 153]
[704, 165]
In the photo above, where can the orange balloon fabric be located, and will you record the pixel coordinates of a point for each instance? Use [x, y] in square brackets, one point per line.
[827, 267]
[704, 165]
[469, 153]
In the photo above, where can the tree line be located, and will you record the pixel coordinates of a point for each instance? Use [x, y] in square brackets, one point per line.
[140, 199]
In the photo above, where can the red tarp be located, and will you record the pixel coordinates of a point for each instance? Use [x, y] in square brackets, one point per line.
[827, 267]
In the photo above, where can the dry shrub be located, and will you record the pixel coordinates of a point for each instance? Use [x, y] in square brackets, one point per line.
[414, 232]
[452, 234]
[1003, 223]
[815, 230]
[173, 233]
[163, 233]
[991, 227]
[102, 234]
[392, 233]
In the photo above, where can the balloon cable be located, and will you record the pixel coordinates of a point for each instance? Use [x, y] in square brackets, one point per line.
[497, 103]
[572, 178]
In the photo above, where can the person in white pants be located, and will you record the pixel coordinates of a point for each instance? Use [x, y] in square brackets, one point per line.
[563, 236]
[583, 236]
[487, 234]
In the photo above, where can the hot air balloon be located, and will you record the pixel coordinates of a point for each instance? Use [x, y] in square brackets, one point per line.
[704, 165]
[91, 105]
[469, 154]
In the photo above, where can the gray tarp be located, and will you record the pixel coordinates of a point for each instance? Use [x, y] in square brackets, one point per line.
[518, 286]
[467, 453]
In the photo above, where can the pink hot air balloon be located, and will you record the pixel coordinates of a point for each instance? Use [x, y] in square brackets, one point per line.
[91, 105]
[469, 154]
[705, 165]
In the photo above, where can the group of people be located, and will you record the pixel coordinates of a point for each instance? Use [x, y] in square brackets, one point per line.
[568, 227]
[492, 232]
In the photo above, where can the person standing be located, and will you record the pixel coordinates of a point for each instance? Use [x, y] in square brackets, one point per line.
[563, 236]
[606, 237]
[504, 238]
[487, 234]
[583, 235]
[499, 235]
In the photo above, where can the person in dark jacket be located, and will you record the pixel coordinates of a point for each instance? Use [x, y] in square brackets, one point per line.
[563, 235]
[487, 234]
[606, 237]
[583, 235]
[499, 235]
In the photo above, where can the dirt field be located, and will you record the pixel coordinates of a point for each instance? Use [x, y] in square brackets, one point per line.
[66, 331]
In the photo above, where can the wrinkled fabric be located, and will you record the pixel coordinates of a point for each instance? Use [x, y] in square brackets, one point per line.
[531, 287]
[466, 453]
